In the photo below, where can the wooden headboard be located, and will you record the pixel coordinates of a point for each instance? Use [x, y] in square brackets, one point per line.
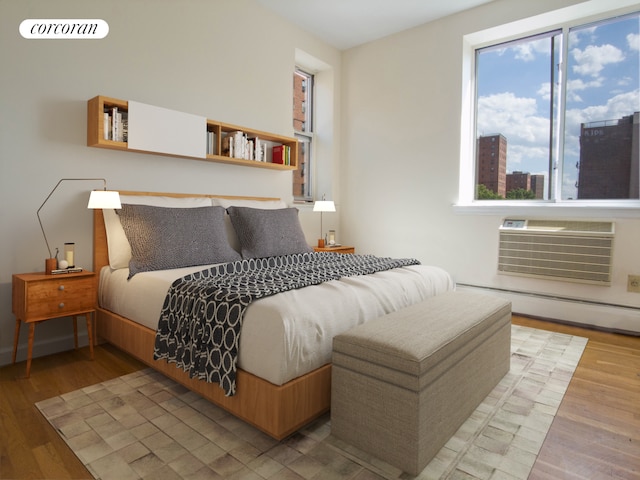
[100, 250]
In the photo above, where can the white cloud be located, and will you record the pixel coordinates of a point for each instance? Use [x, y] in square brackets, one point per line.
[521, 154]
[633, 40]
[545, 91]
[510, 115]
[573, 87]
[577, 85]
[615, 108]
[518, 119]
[527, 51]
[593, 59]
[625, 81]
[576, 36]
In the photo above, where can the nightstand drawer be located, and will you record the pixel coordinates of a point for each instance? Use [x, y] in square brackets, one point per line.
[57, 296]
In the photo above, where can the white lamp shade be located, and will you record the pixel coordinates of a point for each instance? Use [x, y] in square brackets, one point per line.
[324, 206]
[104, 199]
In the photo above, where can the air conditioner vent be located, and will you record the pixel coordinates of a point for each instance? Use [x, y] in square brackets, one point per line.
[577, 251]
[570, 226]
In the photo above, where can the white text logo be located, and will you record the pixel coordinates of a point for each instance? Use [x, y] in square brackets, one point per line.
[55, 28]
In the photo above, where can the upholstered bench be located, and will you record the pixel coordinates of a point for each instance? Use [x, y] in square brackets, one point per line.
[403, 384]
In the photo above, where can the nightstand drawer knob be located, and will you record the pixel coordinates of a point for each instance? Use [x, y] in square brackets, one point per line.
[61, 305]
[61, 287]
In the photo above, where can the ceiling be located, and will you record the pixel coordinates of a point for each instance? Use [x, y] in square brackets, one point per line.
[348, 23]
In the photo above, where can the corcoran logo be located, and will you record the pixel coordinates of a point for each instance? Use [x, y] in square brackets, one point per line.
[64, 29]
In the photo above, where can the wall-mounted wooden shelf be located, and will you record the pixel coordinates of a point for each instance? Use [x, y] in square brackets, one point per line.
[96, 127]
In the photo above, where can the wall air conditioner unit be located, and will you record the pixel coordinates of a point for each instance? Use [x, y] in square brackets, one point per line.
[574, 251]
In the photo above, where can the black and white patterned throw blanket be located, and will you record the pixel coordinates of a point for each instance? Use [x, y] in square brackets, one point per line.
[202, 314]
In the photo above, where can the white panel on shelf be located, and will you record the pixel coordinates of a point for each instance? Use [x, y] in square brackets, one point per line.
[162, 130]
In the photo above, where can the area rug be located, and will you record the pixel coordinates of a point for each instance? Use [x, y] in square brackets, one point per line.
[143, 425]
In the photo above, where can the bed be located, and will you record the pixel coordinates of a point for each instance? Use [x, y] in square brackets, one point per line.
[283, 377]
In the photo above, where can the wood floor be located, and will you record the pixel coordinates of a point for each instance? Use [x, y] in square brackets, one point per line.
[595, 435]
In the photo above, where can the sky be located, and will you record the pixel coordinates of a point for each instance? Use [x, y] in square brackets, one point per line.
[514, 91]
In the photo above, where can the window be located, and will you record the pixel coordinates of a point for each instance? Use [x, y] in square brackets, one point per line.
[303, 127]
[556, 114]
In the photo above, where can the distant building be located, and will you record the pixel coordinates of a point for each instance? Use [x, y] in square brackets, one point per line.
[526, 181]
[516, 180]
[608, 165]
[537, 186]
[492, 163]
[492, 169]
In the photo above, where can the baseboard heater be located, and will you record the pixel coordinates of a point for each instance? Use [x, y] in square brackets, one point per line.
[548, 296]
[511, 293]
[574, 251]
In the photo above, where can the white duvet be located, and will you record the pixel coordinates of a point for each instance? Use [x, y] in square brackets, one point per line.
[289, 334]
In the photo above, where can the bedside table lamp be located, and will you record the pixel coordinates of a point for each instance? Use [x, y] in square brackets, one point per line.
[98, 199]
[323, 206]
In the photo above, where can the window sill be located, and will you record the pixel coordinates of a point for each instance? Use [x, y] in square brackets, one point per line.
[604, 209]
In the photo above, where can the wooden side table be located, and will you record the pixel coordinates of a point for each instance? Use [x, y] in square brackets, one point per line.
[37, 297]
[336, 249]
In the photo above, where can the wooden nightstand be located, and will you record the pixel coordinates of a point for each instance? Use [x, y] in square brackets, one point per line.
[338, 249]
[38, 297]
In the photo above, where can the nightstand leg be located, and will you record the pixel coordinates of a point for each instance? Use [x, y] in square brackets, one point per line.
[75, 331]
[16, 336]
[90, 332]
[32, 331]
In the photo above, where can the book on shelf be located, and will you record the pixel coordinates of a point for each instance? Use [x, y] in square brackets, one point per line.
[226, 146]
[238, 144]
[116, 124]
[115, 129]
[281, 155]
[249, 152]
[234, 144]
[107, 126]
[257, 149]
[124, 127]
[211, 143]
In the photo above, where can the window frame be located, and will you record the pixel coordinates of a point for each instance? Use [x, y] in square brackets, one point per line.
[564, 19]
[307, 136]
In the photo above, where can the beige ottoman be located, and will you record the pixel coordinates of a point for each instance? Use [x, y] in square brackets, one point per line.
[402, 384]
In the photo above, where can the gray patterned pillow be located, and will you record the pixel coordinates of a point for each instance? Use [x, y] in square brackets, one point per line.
[268, 233]
[162, 238]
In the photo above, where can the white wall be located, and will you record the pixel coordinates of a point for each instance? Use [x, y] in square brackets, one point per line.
[225, 60]
[402, 128]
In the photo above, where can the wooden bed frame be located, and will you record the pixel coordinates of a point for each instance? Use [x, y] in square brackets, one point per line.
[276, 410]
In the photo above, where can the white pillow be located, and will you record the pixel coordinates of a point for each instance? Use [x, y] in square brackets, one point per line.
[232, 237]
[241, 202]
[117, 243]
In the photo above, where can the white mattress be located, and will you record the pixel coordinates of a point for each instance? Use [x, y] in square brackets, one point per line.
[289, 334]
